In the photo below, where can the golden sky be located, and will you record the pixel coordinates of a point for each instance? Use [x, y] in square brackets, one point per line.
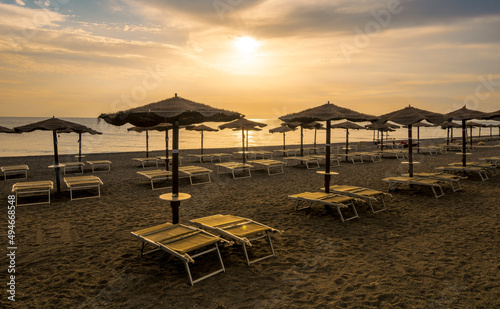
[262, 58]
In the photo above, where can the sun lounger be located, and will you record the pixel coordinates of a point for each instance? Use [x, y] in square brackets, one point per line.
[314, 160]
[195, 171]
[83, 183]
[155, 176]
[145, 161]
[270, 164]
[490, 167]
[287, 152]
[14, 170]
[399, 153]
[374, 156]
[161, 160]
[240, 230]
[100, 164]
[220, 156]
[73, 166]
[465, 169]
[337, 200]
[352, 156]
[32, 188]
[201, 157]
[181, 241]
[368, 195]
[452, 180]
[235, 167]
[492, 160]
[394, 182]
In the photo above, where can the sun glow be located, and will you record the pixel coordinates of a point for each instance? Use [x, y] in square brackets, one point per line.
[246, 44]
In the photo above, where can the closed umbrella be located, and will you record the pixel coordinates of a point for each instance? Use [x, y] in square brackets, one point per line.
[463, 114]
[201, 128]
[327, 112]
[242, 124]
[347, 125]
[409, 116]
[55, 125]
[177, 111]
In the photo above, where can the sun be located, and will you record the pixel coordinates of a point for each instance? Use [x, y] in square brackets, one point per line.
[246, 44]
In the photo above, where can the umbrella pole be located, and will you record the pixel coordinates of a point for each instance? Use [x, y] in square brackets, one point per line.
[410, 151]
[166, 149]
[243, 158]
[56, 162]
[470, 138]
[327, 157]
[464, 143]
[147, 144]
[381, 140]
[315, 130]
[175, 173]
[346, 142]
[301, 141]
[283, 141]
[79, 147]
[201, 142]
[418, 139]
[447, 136]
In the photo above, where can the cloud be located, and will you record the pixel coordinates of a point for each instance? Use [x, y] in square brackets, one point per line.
[20, 2]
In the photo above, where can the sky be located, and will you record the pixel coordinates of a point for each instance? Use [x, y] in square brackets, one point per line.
[262, 58]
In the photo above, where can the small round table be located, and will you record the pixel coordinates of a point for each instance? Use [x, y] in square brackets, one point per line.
[325, 173]
[179, 198]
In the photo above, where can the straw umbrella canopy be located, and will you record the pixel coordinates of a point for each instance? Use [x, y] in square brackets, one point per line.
[347, 125]
[465, 114]
[92, 132]
[409, 116]
[327, 112]
[449, 125]
[177, 111]
[471, 125]
[381, 127]
[162, 127]
[418, 125]
[281, 129]
[6, 130]
[316, 126]
[55, 125]
[242, 124]
[201, 128]
[309, 125]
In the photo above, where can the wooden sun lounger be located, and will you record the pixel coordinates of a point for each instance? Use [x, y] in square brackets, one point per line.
[305, 159]
[240, 230]
[287, 152]
[100, 164]
[452, 180]
[73, 166]
[368, 195]
[83, 183]
[180, 241]
[161, 160]
[202, 157]
[155, 176]
[235, 167]
[270, 164]
[14, 170]
[219, 156]
[492, 160]
[32, 188]
[145, 161]
[394, 182]
[374, 156]
[490, 167]
[337, 200]
[195, 171]
[467, 169]
[399, 153]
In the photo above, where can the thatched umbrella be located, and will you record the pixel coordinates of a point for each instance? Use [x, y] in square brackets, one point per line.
[55, 125]
[465, 114]
[92, 132]
[418, 125]
[310, 125]
[471, 125]
[162, 127]
[449, 126]
[327, 112]
[201, 128]
[177, 111]
[281, 129]
[347, 125]
[316, 126]
[381, 128]
[242, 124]
[409, 116]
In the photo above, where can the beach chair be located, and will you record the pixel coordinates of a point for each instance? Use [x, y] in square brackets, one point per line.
[338, 201]
[490, 167]
[242, 231]
[145, 161]
[394, 183]
[14, 170]
[83, 183]
[465, 169]
[368, 195]
[452, 180]
[352, 156]
[78, 166]
[192, 171]
[32, 188]
[183, 242]
[270, 164]
[307, 160]
[235, 167]
[155, 176]
[374, 156]
[161, 160]
[220, 156]
[201, 157]
[100, 164]
[492, 160]
[287, 152]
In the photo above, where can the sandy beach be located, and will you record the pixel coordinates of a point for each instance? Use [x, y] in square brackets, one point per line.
[421, 252]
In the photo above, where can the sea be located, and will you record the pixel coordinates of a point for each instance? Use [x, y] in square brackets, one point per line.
[119, 139]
